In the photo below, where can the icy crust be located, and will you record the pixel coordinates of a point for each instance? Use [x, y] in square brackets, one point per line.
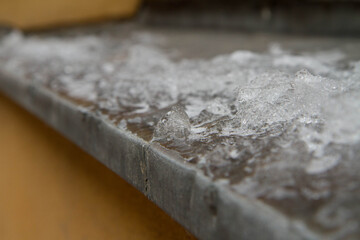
[280, 127]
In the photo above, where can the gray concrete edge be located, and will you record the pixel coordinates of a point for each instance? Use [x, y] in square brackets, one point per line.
[208, 209]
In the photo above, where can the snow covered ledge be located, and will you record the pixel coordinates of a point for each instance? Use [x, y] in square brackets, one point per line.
[246, 145]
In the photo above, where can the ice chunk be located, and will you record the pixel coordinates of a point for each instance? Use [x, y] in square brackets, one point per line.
[218, 107]
[322, 165]
[242, 57]
[175, 124]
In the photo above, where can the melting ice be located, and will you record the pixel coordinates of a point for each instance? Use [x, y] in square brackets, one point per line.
[280, 127]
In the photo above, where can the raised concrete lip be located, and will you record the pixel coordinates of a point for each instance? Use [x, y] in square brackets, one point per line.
[206, 208]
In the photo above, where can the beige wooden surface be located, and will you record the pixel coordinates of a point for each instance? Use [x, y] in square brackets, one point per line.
[39, 14]
[50, 189]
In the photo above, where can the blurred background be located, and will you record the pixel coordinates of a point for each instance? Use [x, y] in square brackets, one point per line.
[335, 17]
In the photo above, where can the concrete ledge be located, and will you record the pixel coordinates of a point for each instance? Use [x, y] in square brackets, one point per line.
[206, 208]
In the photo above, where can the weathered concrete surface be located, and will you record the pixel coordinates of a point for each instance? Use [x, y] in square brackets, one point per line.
[207, 209]
[204, 205]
